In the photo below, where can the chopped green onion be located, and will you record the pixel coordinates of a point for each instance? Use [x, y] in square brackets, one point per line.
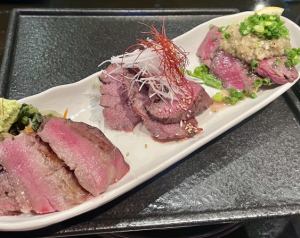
[226, 35]
[236, 93]
[218, 97]
[231, 100]
[264, 26]
[251, 94]
[258, 83]
[293, 57]
[232, 96]
[254, 64]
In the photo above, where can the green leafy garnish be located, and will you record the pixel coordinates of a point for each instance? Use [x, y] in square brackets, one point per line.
[28, 115]
[202, 72]
[264, 26]
[293, 57]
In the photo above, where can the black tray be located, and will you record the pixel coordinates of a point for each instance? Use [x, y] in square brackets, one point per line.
[251, 171]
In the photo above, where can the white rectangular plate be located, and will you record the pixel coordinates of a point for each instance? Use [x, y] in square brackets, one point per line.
[145, 156]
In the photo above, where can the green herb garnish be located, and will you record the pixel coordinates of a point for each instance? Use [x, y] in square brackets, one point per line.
[264, 26]
[27, 115]
[293, 57]
[202, 72]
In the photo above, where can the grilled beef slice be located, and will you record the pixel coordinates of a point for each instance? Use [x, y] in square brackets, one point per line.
[231, 71]
[117, 112]
[166, 112]
[209, 45]
[96, 162]
[160, 131]
[8, 202]
[42, 184]
[275, 69]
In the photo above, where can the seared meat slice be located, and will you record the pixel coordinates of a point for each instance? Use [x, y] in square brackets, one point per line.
[174, 131]
[209, 45]
[117, 112]
[8, 202]
[96, 162]
[275, 69]
[231, 71]
[125, 105]
[166, 112]
[41, 182]
[96, 136]
[159, 131]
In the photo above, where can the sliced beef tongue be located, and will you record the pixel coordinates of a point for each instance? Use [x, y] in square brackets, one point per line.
[125, 105]
[42, 184]
[96, 162]
[174, 131]
[209, 45]
[166, 112]
[8, 201]
[109, 151]
[117, 112]
[160, 131]
[275, 69]
[231, 71]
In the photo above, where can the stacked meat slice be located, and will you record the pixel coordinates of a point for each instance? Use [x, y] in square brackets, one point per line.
[114, 99]
[126, 103]
[235, 73]
[56, 168]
